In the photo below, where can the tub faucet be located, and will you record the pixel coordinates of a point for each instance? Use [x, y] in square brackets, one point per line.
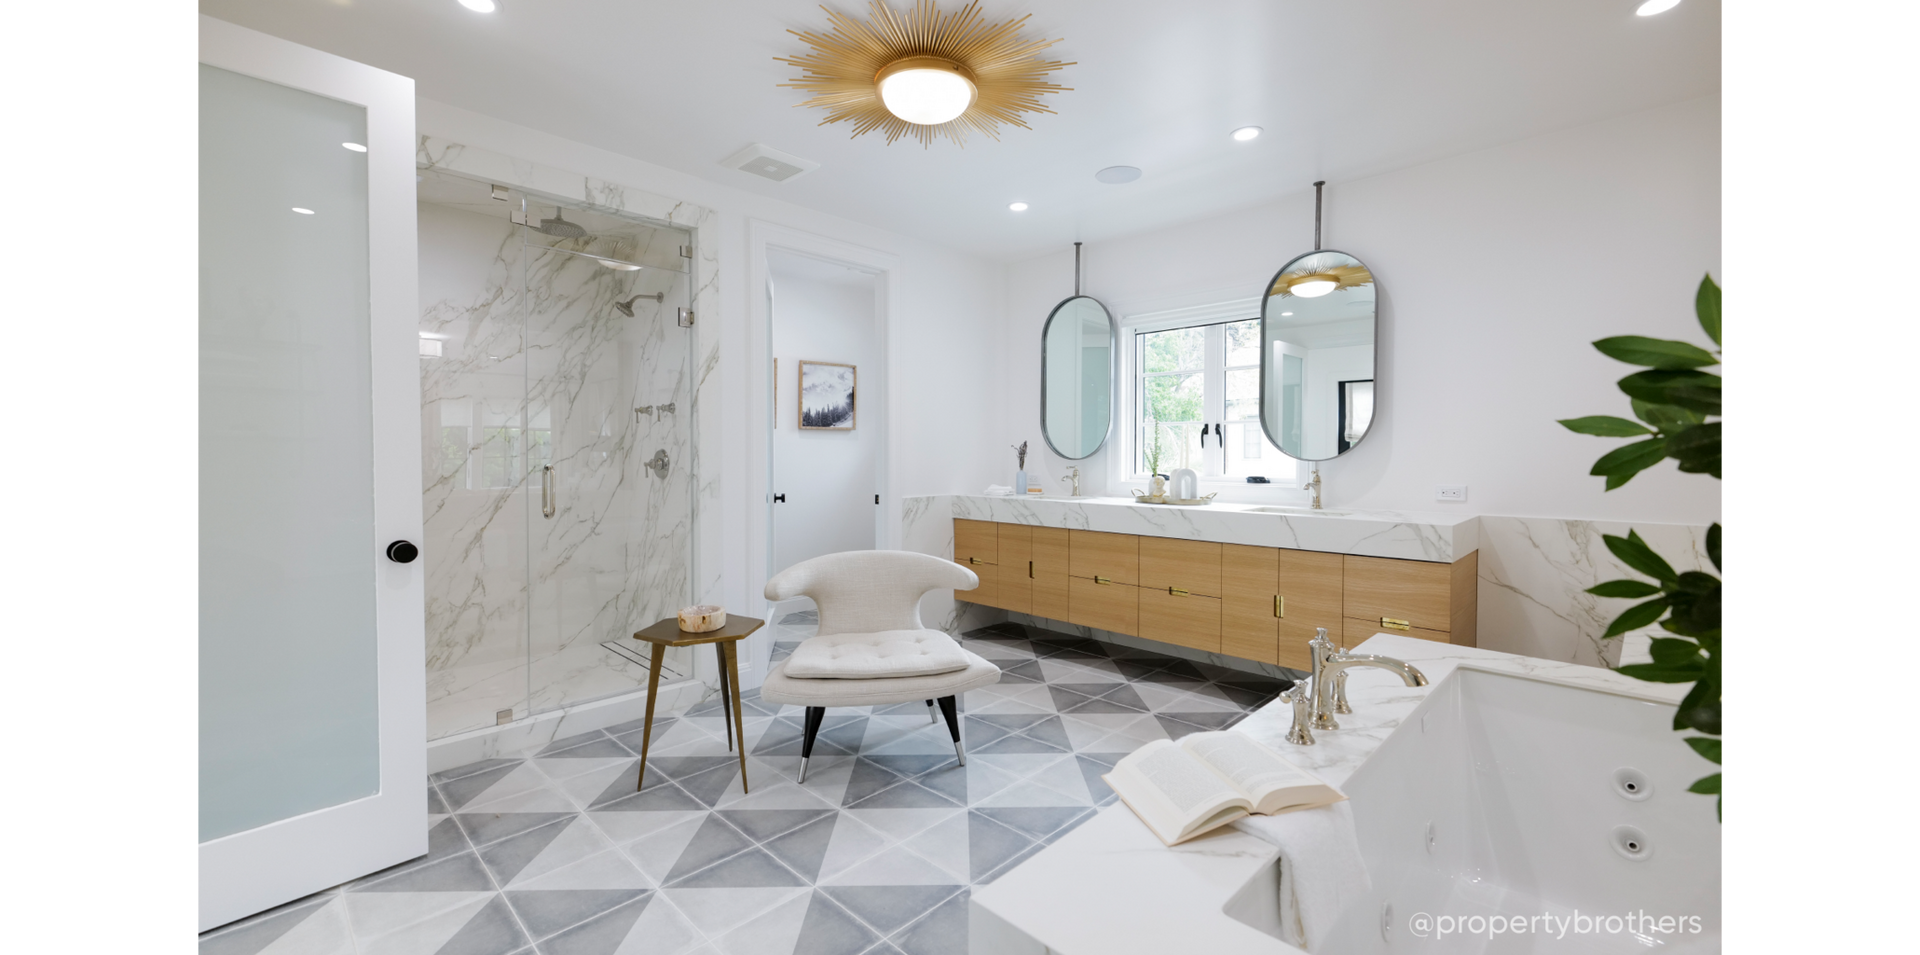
[1314, 486]
[1330, 664]
[1074, 476]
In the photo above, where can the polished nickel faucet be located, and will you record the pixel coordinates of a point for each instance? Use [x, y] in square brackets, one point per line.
[1075, 478]
[1314, 486]
[1329, 693]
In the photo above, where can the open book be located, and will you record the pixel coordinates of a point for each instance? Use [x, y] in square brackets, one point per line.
[1207, 780]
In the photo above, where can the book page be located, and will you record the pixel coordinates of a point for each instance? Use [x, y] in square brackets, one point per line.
[1258, 770]
[1176, 794]
[1184, 780]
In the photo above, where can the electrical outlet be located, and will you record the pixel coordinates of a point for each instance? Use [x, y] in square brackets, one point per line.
[1450, 492]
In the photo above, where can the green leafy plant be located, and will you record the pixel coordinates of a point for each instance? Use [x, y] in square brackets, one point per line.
[1153, 447]
[1672, 400]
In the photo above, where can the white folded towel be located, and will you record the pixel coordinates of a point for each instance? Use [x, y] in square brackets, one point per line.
[1321, 872]
[999, 490]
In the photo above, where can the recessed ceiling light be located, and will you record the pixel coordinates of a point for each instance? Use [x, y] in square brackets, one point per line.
[356, 147]
[1245, 133]
[1017, 206]
[1286, 314]
[1118, 174]
[480, 6]
[304, 212]
[1652, 7]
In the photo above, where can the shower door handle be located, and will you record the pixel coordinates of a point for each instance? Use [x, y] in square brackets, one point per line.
[546, 491]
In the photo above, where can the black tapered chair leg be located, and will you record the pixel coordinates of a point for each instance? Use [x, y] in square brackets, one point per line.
[950, 708]
[814, 715]
[931, 718]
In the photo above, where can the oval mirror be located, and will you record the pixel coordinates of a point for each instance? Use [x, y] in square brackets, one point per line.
[1317, 338]
[1076, 377]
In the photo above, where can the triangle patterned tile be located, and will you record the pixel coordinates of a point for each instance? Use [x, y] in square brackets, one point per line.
[829, 930]
[774, 932]
[508, 856]
[990, 845]
[1049, 730]
[709, 786]
[585, 789]
[905, 795]
[251, 938]
[868, 777]
[894, 866]
[491, 931]
[461, 873]
[579, 841]
[657, 852]
[611, 869]
[681, 767]
[763, 824]
[427, 935]
[1102, 706]
[471, 768]
[1065, 778]
[1125, 695]
[458, 792]
[1016, 744]
[436, 804]
[715, 912]
[1034, 822]
[1029, 793]
[326, 933]
[560, 770]
[853, 842]
[949, 781]
[624, 827]
[772, 789]
[545, 912]
[665, 797]
[533, 800]
[603, 934]
[942, 932]
[660, 930]
[805, 848]
[714, 841]
[754, 868]
[944, 845]
[486, 827]
[890, 908]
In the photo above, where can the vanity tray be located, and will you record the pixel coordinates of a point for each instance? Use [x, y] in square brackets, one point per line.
[1196, 502]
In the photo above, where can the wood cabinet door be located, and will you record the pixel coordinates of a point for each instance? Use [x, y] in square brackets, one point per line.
[1112, 607]
[976, 547]
[1311, 591]
[1114, 557]
[1014, 567]
[1050, 564]
[1192, 566]
[1189, 620]
[1249, 601]
[1355, 631]
[1399, 595]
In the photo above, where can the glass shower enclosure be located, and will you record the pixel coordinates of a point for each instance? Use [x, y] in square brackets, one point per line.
[555, 375]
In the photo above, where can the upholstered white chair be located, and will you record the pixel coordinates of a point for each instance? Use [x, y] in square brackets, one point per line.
[871, 648]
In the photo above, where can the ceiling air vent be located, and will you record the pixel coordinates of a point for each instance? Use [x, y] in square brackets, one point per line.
[769, 163]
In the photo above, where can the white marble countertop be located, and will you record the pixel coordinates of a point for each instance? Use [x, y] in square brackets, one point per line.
[1407, 535]
[1131, 894]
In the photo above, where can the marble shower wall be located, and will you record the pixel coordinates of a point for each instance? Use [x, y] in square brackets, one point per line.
[539, 368]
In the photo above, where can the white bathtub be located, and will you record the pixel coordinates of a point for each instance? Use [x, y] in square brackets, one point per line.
[1508, 814]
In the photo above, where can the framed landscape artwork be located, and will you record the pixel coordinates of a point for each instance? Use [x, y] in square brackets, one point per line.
[826, 396]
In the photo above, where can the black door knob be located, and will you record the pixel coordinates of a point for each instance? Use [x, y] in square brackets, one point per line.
[402, 552]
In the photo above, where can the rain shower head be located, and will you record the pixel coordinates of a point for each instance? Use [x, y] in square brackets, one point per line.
[626, 307]
[559, 227]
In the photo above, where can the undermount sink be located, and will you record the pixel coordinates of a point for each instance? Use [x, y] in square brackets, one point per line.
[1299, 511]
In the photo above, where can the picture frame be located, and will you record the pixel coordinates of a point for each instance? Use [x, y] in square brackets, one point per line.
[828, 396]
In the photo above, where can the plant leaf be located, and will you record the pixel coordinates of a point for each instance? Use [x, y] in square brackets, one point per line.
[1706, 305]
[1666, 418]
[1697, 448]
[1697, 390]
[1621, 464]
[1661, 673]
[1605, 426]
[1623, 588]
[1635, 553]
[1669, 652]
[1697, 582]
[1637, 616]
[1706, 746]
[1655, 352]
[1713, 545]
[1701, 709]
[1707, 785]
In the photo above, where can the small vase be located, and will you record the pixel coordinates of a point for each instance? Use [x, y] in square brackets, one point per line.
[1020, 483]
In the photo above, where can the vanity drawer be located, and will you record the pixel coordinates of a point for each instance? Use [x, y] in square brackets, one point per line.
[976, 547]
[1113, 606]
[1399, 594]
[1013, 568]
[1249, 588]
[1311, 592]
[1050, 565]
[1192, 566]
[1191, 620]
[1114, 557]
[1354, 631]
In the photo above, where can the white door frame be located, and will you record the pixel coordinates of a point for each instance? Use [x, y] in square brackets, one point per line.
[251, 871]
[762, 235]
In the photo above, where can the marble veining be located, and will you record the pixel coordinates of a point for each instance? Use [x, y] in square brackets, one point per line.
[1403, 535]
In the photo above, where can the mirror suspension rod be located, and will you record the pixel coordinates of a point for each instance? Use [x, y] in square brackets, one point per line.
[1316, 214]
[1076, 269]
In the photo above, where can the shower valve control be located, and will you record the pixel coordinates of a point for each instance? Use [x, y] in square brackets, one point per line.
[686, 317]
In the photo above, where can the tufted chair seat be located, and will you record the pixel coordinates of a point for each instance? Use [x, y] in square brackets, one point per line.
[871, 648]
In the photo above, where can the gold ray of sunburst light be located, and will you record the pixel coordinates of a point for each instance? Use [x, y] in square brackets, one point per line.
[1005, 68]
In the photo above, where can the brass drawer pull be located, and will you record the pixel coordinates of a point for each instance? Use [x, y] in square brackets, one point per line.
[1102, 580]
[1029, 570]
[1177, 592]
[1392, 624]
[1279, 606]
[975, 560]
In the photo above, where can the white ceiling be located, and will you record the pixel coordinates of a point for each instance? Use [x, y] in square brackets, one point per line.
[1344, 89]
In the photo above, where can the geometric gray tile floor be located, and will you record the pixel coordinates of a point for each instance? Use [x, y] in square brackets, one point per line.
[554, 853]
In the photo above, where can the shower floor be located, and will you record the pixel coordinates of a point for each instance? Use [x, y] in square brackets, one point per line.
[553, 852]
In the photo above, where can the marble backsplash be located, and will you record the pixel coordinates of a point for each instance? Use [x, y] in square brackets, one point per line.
[1534, 573]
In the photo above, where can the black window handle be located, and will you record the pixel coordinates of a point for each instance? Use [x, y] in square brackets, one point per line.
[779, 499]
[1203, 435]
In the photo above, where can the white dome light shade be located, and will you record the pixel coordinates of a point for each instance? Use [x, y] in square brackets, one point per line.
[1017, 206]
[925, 90]
[1653, 7]
[356, 147]
[479, 6]
[1245, 133]
[1313, 287]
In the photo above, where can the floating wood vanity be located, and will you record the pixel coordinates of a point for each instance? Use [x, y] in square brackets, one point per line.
[1242, 600]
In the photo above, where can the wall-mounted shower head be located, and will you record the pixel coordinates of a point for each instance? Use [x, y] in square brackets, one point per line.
[626, 307]
[559, 227]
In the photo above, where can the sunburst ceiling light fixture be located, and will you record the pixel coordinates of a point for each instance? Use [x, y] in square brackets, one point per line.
[924, 73]
[1313, 281]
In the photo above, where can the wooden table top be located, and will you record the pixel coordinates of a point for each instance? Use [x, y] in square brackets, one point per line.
[668, 633]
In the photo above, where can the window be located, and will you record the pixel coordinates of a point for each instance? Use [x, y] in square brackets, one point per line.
[1196, 402]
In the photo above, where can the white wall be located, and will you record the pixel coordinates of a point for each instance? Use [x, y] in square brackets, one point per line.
[829, 478]
[1496, 270]
[946, 311]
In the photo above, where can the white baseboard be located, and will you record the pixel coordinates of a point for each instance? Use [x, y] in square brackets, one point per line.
[520, 736]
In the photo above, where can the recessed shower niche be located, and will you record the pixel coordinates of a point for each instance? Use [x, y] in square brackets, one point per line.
[557, 434]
